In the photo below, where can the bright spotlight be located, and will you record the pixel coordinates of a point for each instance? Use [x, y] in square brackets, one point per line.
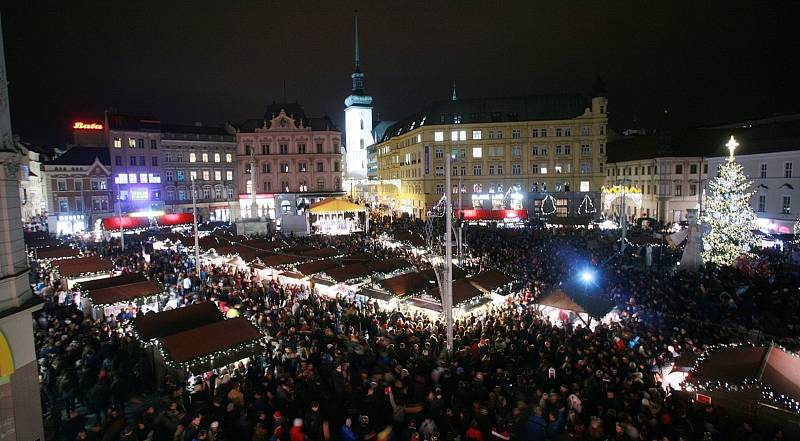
[587, 276]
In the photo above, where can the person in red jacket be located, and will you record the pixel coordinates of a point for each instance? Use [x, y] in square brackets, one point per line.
[296, 432]
[474, 433]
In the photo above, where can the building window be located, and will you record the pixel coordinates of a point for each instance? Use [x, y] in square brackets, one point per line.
[500, 170]
[179, 157]
[585, 131]
[439, 188]
[284, 149]
[535, 169]
[320, 184]
[762, 203]
[118, 160]
[167, 157]
[117, 143]
[693, 190]
[584, 168]
[678, 169]
[216, 157]
[229, 175]
[516, 133]
[301, 148]
[477, 152]
[131, 143]
[476, 134]
[786, 207]
[248, 186]
[205, 157]
[787, 170]
[678, 190]
[516, 169]
[491, 134]
[586, 149]
[558, 150]
[265, 149]
[491, 170]
[206, 175]
[140, 143]
[154, 161]
[284, 167]
[584, 185]
[567, 131]
[499, 134]
[153, 144]
[543, 170]
[247, 168]
[94, 184]
[476, 170]
[439, 153]
[439, 171]
[516, 151]
[320, 166]
[763, 170]
[567, 149]
[693, 169]
[228, 157]
[181, 195]
[192, 157]
[63, 204]
[218, 192]
[180, 175]
[193, 175]
[169, 175]
[142, 161]
[336, 166]
[143, 178]
[319, 147]
[558, 131]
[170, 195]
[133, 160]
[302, 167]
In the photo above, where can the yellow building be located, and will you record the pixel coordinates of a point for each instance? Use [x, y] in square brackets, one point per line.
[554, 143]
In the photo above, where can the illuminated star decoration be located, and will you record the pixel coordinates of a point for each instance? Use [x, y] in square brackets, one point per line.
[732, 144]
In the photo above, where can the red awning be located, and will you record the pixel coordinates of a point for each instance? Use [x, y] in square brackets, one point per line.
[493, 215]
[132, 223]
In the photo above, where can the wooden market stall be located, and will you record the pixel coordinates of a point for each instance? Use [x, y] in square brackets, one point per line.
[334, 216]
[494, 283]
[77, 270]
[573, 306]
[46, 254]
[142, 295]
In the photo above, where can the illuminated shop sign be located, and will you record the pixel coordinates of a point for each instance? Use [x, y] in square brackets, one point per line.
[87, 126]
[139, 195]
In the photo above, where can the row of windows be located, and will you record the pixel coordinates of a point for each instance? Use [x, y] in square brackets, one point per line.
[543, 132]
[653, 169]
[457, 118]
[516, 151]
[500, 188]
[788, 170]
[283, 149]
[137, 178]
[220, 193]
[140, 161]
[77, 184]
[285, 186]
[206, 174]
[99, 203]
[204, 157]
[283, 167]
[135, 143]
[786, 204]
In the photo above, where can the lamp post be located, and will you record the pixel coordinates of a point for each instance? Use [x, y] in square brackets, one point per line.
[196, 238]
[119, 216]
[623, 217]
[447, 289]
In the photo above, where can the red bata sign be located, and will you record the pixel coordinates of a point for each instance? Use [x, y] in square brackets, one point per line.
[87, 126]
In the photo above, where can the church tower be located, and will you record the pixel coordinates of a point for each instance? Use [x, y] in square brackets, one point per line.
[20, 408]
[357, 122]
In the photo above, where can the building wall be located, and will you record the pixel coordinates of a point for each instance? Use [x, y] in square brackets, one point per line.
[777, 187]
[32, 189]
[214, 165]
[289, 159]
[136, 153]
[358, 132]
[489, 155]
[77, 194]
[669, 186]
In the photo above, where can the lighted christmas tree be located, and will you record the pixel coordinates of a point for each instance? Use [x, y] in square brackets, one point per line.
[728, 214]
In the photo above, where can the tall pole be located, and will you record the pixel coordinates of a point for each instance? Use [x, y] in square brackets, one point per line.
[196, 238]
[447, 289]
[119, 216]
[253, 203]
[460, 226]
[623, 218]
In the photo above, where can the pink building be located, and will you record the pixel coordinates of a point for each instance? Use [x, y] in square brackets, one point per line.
[286, 161]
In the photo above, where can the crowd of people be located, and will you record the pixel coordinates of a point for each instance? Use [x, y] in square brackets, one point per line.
[343, 369]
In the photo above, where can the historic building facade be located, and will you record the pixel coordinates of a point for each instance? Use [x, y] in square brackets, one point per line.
[286, 161]
[79, 190]
[204, 156]
[357, 123]
[536, 144]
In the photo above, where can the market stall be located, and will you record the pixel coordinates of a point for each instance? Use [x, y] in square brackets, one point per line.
[466, 299]
[494, 283]
[343, 280]
[334, 216]
[760, 382]
[137, 296]
[77, 270]
[573, 307]
[46, 254]
[388, 267]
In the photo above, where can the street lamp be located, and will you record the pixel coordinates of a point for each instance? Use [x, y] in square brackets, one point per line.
[587, 276]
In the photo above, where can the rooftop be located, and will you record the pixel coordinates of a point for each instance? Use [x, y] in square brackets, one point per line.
[82, 156]
[494, 110]
[293, 110]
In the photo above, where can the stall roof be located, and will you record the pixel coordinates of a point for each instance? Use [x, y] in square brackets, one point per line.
[161, 324]
[265, 244]
[488, 281]
[40, 239]
[375, 294]
[349, 272]
[432, 305]
[58, 252]
[388, 265]
[406, 284]
[358, 258]
[311, 268]
[596, 306]
[123, 279]
[458, 273]
[773, 366]
[319, 253]
[209, 339]
[274, 260]
[81, 265]
[125, 293]
[208, 242]
[462, 291]
[334, 205]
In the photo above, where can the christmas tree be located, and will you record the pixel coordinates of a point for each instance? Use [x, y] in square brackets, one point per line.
[728, 214]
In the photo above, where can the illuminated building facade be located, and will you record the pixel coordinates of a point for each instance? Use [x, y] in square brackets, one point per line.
[134, 144]
[206, 155]
[358, 122]
[500, 147]
[79, 190]
[286, 161]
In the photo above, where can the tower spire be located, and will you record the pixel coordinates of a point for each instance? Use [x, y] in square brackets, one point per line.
[455, 95]
[357, 57]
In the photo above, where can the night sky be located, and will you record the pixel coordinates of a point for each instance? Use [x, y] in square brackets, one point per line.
[217, 61]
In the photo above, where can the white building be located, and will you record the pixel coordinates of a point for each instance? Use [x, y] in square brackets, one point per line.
[33, 191]
[358, 124]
